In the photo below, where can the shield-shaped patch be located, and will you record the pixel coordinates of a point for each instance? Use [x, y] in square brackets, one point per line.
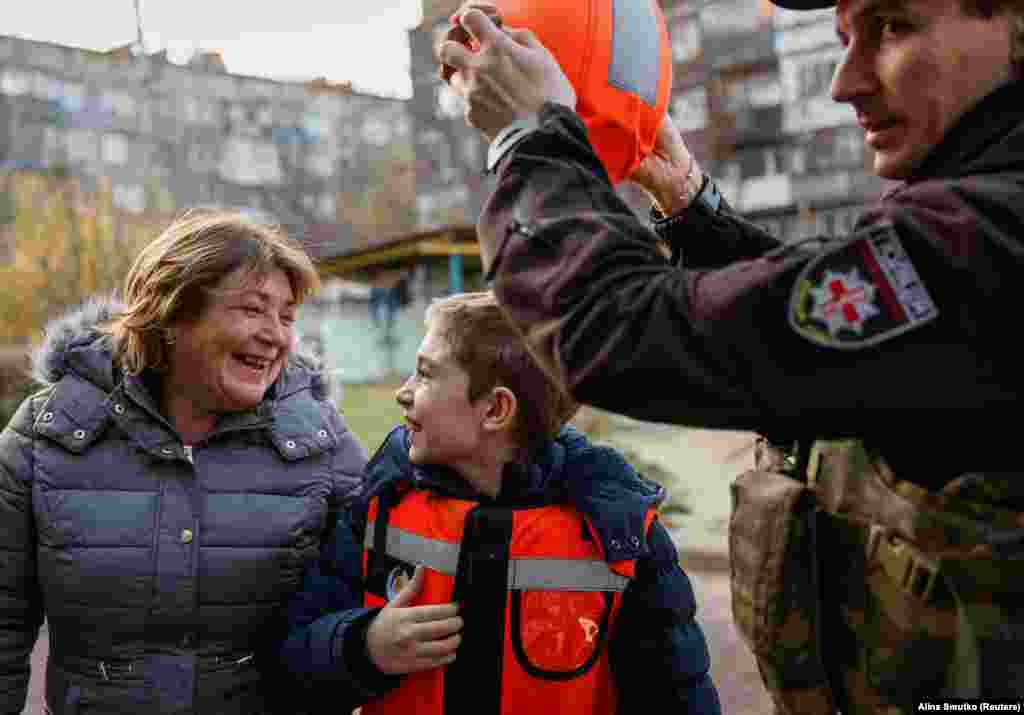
[860, 293]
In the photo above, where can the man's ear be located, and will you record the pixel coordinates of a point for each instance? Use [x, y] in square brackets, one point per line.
[501, 409]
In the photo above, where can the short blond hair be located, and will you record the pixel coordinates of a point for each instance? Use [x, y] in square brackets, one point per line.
[172, 276]
[488, 346]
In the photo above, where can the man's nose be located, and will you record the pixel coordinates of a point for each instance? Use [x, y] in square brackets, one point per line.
[854, 77]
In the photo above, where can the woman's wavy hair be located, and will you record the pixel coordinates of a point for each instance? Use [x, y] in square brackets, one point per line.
[173, 276]
[487, 345]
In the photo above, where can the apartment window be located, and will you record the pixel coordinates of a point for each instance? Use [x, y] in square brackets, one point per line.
[40, 85]
[685, 36]
[82, 145]
[114, 149]
[449, 103]
[376, 132]
[15, 83]
[849, 146]
[798, 160]
[315, 126]
[690, 109]
[327, 206]
[129, 197]
[53, 145]
[320, 163]
[73, 97]
[814, 79]
[119, 104]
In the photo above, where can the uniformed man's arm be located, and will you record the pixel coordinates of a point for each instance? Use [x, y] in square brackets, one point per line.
[904, 312]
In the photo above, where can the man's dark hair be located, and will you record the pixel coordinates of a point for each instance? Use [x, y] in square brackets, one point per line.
[1015, 11]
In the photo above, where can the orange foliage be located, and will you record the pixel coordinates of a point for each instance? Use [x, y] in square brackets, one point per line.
[68, 245]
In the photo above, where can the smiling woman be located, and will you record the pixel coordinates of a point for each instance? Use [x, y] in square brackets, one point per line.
[182, 430]
[211, 305]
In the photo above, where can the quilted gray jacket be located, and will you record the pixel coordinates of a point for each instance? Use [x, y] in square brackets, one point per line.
[160, 570]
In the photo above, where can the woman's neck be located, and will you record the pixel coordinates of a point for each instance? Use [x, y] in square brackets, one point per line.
[190, 421]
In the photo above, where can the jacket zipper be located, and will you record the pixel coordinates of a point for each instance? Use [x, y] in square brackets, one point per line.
[188, 453]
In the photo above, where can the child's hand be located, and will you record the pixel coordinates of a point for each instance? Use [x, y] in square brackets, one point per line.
[408, 639]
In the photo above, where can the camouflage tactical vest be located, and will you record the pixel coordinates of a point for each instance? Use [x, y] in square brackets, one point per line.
[866, 593]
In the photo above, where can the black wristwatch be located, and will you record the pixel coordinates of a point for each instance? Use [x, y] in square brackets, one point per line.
[708, 199]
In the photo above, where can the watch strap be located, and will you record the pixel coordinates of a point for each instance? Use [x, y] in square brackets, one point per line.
[508, 138]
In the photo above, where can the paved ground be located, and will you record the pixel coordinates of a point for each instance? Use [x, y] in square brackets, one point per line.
[697, 466]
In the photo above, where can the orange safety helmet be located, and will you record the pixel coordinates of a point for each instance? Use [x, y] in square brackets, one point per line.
[616, 54]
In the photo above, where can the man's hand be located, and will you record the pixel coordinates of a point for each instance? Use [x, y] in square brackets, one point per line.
[509, 77]
[669, 174]
[408, 639]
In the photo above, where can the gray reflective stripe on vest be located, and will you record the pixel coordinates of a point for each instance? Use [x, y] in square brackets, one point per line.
[635, 37]
[523, 574]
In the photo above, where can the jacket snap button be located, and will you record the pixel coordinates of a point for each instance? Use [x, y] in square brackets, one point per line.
[47, 417]
[119, 409]
[290, 444]
[79, 434]
[616, 544]
[166, 450]
[186, 536]
[634, 540]
[322, 434]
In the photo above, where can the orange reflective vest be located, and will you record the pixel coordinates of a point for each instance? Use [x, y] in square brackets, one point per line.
[537, 598]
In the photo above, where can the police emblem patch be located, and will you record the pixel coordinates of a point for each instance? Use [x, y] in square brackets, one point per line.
[860, 293]
[399, 576]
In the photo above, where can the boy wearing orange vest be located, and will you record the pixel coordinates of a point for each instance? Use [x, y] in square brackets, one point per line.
[497, 562]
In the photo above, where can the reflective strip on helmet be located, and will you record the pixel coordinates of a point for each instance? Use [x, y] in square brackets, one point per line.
[549, 574]
[635, 33]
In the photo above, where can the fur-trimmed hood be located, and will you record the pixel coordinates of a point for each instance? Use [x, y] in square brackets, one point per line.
[75, 343]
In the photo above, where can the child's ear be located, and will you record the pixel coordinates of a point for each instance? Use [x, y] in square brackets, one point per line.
[501, 410]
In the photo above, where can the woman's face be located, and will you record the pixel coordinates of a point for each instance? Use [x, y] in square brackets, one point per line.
[226, 359]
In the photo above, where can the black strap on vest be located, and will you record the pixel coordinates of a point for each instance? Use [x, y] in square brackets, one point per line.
[472, 684]
[379, 565]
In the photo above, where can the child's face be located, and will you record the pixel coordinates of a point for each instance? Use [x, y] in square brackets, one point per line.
[444, 427]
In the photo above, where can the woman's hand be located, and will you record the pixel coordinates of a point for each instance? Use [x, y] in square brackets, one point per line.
[669, 174]
[509, 77]
[408, 639]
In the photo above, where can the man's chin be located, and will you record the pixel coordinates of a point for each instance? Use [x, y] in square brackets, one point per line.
[894, 165]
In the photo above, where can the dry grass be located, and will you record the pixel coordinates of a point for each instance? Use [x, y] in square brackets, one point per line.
[370, 411]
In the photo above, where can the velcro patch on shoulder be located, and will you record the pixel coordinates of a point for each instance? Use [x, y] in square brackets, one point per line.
[860, 293]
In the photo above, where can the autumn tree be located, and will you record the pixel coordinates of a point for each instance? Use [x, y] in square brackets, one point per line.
[68, 244]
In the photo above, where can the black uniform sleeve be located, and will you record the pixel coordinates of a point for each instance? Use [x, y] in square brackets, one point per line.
[744, 345]
[736, 238]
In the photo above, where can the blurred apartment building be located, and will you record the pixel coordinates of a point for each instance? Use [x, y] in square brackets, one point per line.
[750, 95]
[340, 168]
[332, 164]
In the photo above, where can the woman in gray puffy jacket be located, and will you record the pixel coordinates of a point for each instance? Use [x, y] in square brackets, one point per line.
[160, 498]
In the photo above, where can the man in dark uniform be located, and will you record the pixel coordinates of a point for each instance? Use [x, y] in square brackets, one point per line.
[878, 361]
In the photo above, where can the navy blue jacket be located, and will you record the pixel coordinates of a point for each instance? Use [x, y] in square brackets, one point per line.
[658, 653]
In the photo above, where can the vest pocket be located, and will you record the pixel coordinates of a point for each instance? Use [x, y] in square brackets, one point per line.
[559, 635]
